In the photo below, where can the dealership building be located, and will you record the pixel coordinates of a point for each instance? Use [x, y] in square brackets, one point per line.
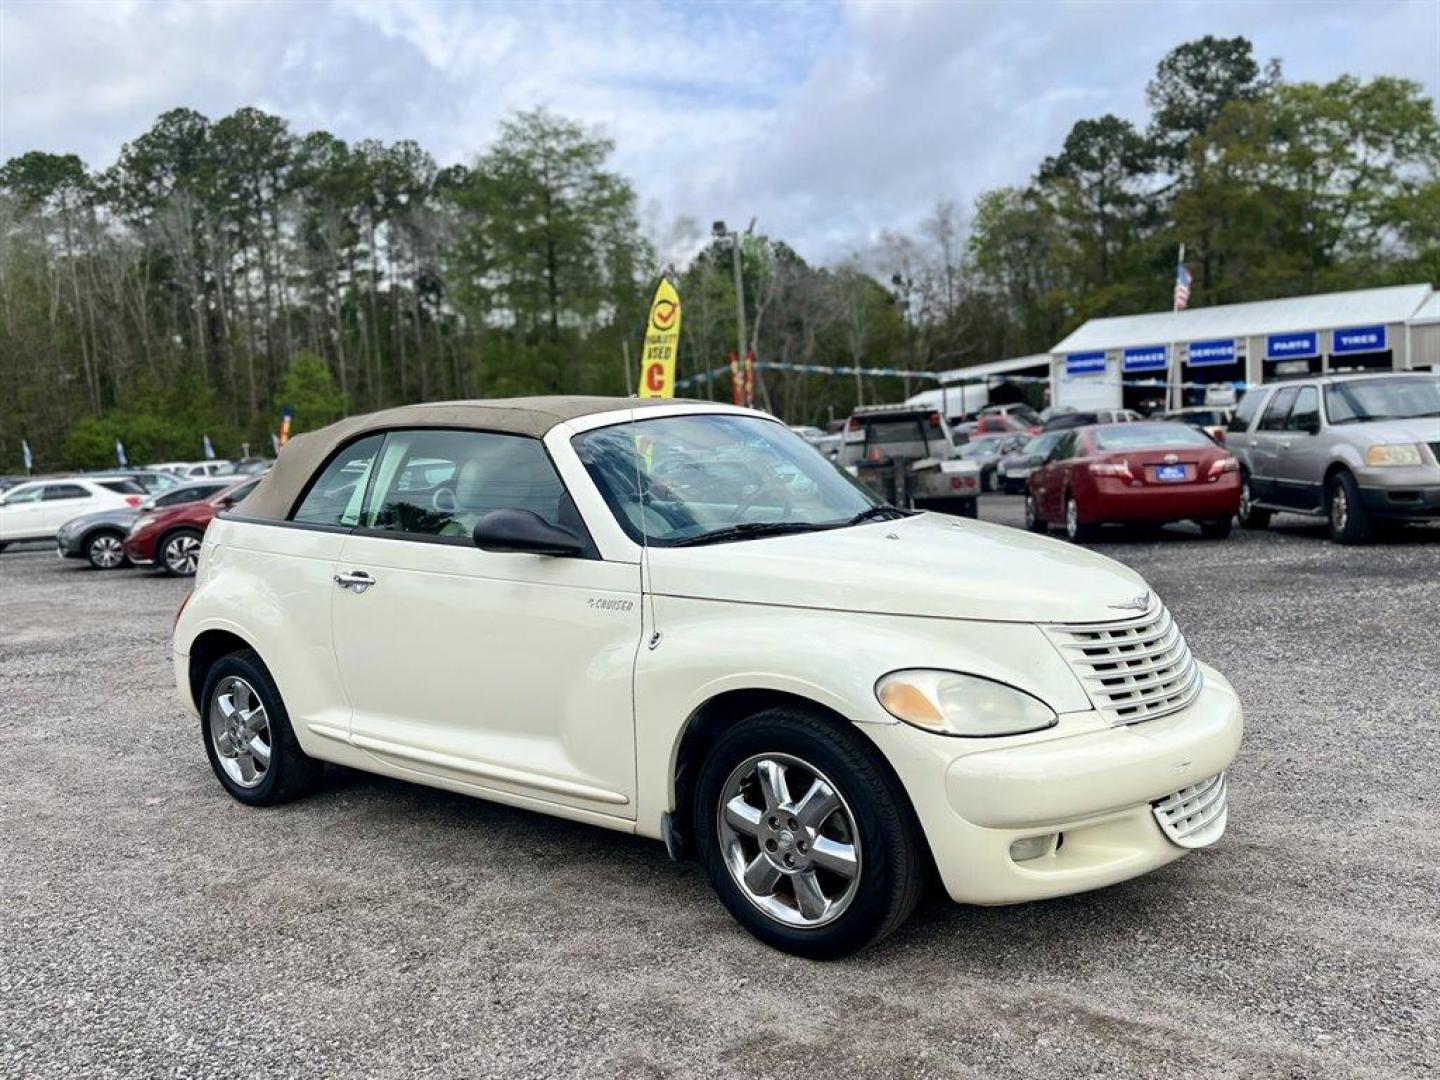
[1174, 357]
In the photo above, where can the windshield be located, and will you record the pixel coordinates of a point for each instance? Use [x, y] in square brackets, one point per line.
[698, 475]
[982, 448]
[1148, 436]
[1382, 399]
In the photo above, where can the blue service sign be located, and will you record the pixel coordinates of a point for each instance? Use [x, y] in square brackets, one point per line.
[1212, 352]
[1147, 358]
[1288, 346]
[1085, 363]
[1359, 339]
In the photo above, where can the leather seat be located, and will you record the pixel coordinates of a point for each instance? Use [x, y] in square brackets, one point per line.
[507, 474]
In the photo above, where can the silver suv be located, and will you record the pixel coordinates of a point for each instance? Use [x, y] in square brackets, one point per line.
[1353, 448]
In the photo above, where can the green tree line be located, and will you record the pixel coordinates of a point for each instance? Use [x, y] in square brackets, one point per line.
[218, 270]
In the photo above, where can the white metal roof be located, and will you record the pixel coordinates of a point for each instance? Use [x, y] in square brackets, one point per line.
[997, 367]
[1395, 304]
[1429, 311]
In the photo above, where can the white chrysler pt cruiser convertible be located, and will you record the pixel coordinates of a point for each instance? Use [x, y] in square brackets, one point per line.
[680, 620]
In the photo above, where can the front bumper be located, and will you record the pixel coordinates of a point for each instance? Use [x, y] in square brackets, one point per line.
[1091, 783]
[1417, 503]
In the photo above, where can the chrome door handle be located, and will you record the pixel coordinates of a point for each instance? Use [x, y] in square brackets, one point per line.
[356, 580]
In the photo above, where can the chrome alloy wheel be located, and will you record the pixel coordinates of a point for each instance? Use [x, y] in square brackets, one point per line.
[240, 732]
[796, 859]
[1339, 509]
[106, 551]
[1072, 517]
[182, 554]
[1030, 511]
[1245, 500]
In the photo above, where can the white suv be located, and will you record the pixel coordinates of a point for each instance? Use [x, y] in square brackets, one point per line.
[36, 510]
[679, 620]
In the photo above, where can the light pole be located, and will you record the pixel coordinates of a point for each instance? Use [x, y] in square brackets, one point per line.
[720, 233]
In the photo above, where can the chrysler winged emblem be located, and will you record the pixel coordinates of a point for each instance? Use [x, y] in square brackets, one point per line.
[1138, 603]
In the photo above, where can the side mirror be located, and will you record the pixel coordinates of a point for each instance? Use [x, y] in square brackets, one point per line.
[524, 532]
[1311, 426]
[226, 502]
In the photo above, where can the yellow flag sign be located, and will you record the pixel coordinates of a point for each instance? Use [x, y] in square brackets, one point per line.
[662, 343]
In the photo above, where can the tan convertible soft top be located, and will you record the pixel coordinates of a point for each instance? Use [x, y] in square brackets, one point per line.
[532, 416]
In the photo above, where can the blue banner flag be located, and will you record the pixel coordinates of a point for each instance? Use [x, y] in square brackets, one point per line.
[25, 453]
[120, 454]
[209, 450]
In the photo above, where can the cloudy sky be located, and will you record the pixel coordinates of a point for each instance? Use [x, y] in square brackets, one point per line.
[829, 122]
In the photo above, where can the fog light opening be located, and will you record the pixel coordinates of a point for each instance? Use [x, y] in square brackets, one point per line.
[1035, 847]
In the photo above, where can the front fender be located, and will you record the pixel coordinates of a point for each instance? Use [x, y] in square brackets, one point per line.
[832, 658]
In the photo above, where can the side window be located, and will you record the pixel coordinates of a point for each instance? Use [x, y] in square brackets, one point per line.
[1278, 409]
[122, 487]
[1245, 412]
[28, 495]
[1065, 448]
[440, 483]
[335, 497]
[1305, 416]
[65, 491]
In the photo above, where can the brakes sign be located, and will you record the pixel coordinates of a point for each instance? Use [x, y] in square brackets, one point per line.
[662, 343]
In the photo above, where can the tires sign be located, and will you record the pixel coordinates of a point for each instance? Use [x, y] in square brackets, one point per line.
[1359, 339]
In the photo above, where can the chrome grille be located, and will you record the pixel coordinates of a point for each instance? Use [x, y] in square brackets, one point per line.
[1194, 816]
[1133, 670]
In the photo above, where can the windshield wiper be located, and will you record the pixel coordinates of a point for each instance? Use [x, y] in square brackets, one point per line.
[748, 530]
[876, 513]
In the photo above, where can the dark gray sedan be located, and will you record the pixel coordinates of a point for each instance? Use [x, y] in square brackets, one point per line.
[1013, 472]
[100, 537]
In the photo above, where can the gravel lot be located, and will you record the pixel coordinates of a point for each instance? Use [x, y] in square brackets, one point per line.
[153, 927]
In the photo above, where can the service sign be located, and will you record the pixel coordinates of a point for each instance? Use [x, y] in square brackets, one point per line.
[1147, 358]
[1359, 339]
[1085, 363]
[662, 343]
[1292, 346]
[1204, 353]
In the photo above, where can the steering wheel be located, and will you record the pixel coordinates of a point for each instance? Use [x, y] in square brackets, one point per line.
[778, 487]
[443, 501]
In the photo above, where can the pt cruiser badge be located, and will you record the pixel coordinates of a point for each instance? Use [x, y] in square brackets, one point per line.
[834, 720]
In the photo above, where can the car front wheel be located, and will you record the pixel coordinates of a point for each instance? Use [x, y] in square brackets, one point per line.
[1348, 519]
[106, 551]
[805, 835]
[180, 552]
[248, 737]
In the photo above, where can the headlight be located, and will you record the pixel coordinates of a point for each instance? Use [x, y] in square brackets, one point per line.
[949, 703]
[1393, 454]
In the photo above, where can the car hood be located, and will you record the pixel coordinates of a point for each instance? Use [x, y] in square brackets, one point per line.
[1420, 429]
[119, 516]
[930, 565]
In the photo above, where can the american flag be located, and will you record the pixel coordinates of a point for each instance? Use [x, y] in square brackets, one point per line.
[1182, 283]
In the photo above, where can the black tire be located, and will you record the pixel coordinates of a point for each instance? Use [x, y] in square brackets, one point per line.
[290, 774]
[1250, 516]
[102, 548]
[1218, 529]
[1077, 531]
[1033, 521]
[1349, 521]
[182, 567]
[892, 858]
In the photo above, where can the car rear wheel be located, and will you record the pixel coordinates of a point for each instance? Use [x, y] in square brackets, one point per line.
[1078, 531]
[105, 550]
[1218, 529]
[180, 552]
[1348, 519]
[248, 737]
[806, 837]
[1032, 516]
[1250, 515]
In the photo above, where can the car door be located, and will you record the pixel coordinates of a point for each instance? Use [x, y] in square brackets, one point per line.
[511, 674]
[1266, 442]
[1047, 483]
[21, 515]
[1299, 461]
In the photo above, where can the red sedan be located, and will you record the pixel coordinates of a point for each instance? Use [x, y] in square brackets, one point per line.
[172, 536]
[1142, 472]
